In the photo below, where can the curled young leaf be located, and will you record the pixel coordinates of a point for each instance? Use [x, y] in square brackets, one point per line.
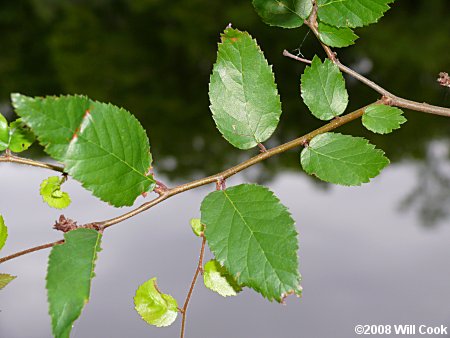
[154, 307]
[4, 133]
[5, 279]
[218, 279]
[3, 232]
[52, 195]
[20, 136]
[197, 226]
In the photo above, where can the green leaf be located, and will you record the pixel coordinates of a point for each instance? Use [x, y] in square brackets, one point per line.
[382, 119]
[4, 133]
[52, 195]
[351, 13]
[218, 279]
[5, 279]
[323, 89]
[244, 99]
[69, 275]
[154, 307]
[3, 232]
[342, 159]
[197, 226]
[283, 13]
[336, 37]
[102, 146]
[20, 136]
[253, 236]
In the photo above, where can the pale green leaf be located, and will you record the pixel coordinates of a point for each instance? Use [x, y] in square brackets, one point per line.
[20, 136]
[382, 119]
[197, 226]
[351, 13]
[253, 236]
[102, 146]
[5, 279]
[244, 99]
[218, 279]
[154, 307]
[323, 89]
[52, 195]
[342, 159]
[4, 133]
[3, 232]
[336, 37]
[283, 13]
[69, 275]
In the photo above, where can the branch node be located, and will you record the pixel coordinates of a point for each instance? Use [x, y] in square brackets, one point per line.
[160, 188]
[444, 79]
[65, 224]
[262, 148]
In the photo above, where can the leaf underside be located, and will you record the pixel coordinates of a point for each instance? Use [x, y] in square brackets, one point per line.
[253, 236]
[323, 89]
[69, 275]
[342, 159]
[102, 146]
[351, 13]
[382, 119]
[283, 13]
[218, 279]
[244, 99]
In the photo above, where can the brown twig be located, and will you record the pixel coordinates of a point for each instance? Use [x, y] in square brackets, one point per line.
[30, 250]
[191, 289]
[393, 99]
[7, 157]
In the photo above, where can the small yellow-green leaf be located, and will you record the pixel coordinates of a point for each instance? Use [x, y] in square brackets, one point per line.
[382, 119]
[20, 136]
[154, 307]
[336, 37]
[52, 195]
[5, 279]
[197, 226]
[218, 279]
[3, 232]
[4, 133]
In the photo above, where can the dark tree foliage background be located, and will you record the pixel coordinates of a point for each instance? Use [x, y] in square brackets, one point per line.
[154, 58]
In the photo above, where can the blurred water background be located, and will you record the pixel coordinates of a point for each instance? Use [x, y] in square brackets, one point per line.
[376, 254]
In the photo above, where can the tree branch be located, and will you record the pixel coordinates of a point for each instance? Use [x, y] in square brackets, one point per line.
[7, 157]
[393, 100]
[191, 289]
[30, 250]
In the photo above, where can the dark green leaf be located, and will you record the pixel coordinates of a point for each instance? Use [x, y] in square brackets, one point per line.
[5, 279]
[154, 307]
[283, 13]
[382, 119]
[253, 236]
[336, 37]
[3, 232]
[218, 279]
[52, 195]
[342, 159]
[102, 146]
[244, 98]
[69, 275]
[4, 133]
[323, 89]
[351, 13]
